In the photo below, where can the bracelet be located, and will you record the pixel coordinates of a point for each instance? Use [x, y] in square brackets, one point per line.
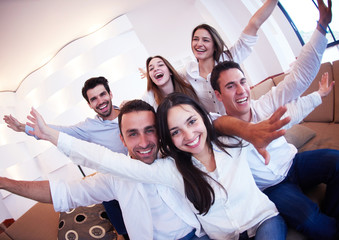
[322, 27]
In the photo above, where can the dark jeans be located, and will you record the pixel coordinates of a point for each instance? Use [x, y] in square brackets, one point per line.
[310, 169]
[115, 216]
[273, 228]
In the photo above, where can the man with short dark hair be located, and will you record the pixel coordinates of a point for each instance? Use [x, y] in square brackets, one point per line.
[102, 130]
[288, 172]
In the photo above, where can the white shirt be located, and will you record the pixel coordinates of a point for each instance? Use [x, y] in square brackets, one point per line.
[150, 211]
[150, 99]
[243, 208]
[240, 51]
[286, 92]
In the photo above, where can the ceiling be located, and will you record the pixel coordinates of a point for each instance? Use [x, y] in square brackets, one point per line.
[32, 31]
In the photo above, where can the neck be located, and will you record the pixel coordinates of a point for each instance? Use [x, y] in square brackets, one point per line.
[206, 157]
[114, 114]
[206, 67]
[167, 88]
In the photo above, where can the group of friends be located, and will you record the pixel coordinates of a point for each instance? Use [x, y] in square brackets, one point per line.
[197, 158]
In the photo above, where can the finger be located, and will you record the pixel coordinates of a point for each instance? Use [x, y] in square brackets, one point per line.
[32, 119]
[265, 155]
[278, 114]
[30, 124]
[281, 123]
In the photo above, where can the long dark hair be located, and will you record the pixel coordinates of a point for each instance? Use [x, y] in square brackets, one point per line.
[179, 83]
[220, 46]
[197, 188]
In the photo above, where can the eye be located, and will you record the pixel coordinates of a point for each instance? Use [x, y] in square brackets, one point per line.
[192, 121]
[230, 86]
[243, 81]
[174, 133]
[133, 134]
[150, 130]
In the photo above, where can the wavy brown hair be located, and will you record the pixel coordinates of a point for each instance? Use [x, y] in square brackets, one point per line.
[179, 83]
[219, 45]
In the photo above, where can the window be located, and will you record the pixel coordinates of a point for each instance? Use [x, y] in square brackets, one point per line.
[303, 16]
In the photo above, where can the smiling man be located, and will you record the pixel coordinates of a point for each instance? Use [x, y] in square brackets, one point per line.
[289, 172]
[150, 211]
[102, 130]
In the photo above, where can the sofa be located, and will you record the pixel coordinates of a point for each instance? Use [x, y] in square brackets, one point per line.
[320, 129]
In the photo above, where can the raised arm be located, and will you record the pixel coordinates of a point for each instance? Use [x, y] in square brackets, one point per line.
[14, 124]
[325, 15]
[259, 134]
[41, 129]
[260, 17]
[36, 190]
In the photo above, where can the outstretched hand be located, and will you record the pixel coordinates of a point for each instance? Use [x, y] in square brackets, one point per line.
[263, 133]
[14, 124]
[324, 88]
[40, 128]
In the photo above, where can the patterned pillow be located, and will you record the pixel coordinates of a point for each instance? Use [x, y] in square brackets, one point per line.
[84, 223]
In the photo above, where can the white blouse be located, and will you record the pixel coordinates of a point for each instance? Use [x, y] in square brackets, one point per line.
[242, 207]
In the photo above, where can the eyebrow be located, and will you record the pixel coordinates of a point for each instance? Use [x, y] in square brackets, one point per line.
[187, 120]
[136, 130]
[232, 82]
[100, 94]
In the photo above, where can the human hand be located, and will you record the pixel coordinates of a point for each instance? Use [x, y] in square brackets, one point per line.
[14, 124]
[324, 88]
[40, 128]
[263, 133]
[325, 13]
[143, 74]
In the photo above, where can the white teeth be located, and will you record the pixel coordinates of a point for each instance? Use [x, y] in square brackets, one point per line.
[103, 107]
[242, 100]
[159, 75]
[145, 152]
[200, 50]
[194, 142]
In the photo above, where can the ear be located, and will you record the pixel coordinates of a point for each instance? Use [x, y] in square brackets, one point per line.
[122, 140]
[218, 95]
[111, 95]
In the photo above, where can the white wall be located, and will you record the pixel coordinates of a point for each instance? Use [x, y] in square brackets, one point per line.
[116, 51]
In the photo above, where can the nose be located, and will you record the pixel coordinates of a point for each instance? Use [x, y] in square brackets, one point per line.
[240, 89]
[143, 141]
[188, 134]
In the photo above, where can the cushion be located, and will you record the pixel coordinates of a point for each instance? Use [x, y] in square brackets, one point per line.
[86, 223]
[299, 135]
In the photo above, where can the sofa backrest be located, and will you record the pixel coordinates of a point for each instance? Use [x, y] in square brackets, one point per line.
[324, 112]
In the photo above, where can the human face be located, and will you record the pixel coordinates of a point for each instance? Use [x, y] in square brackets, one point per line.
[187, 129]
[100, 101]
[234, 94]
[159, 72]
[139, 135]
[202, 44]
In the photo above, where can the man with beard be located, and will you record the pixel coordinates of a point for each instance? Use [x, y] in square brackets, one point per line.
[102, 130]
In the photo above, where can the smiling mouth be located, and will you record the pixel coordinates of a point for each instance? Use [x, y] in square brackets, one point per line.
[242, 100]
[200, 50]
[194, 142]
[103, 106]
[158, 75]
